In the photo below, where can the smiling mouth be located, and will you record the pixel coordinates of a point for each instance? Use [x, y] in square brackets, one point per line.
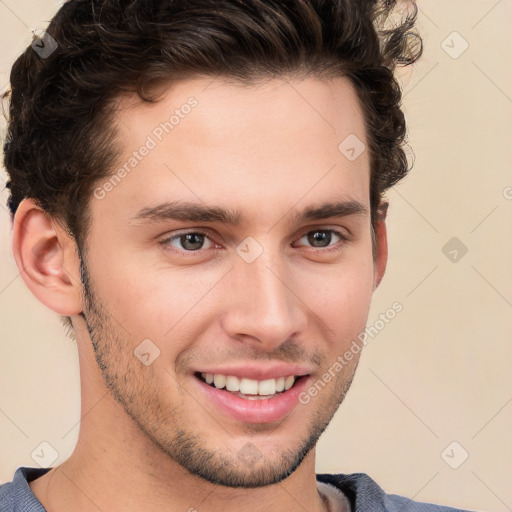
[250, 389]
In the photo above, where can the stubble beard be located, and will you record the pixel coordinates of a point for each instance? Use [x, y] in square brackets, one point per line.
[165, 425]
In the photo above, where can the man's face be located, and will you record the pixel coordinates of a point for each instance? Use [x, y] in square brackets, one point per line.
[269, 297]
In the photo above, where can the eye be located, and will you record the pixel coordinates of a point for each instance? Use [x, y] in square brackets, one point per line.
[321, 238]
[196, 241]
[189, 242]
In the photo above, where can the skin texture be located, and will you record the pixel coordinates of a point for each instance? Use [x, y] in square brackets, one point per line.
[149, 437]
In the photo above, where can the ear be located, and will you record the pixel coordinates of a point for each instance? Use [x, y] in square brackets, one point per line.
[47, 258]
[381, 243]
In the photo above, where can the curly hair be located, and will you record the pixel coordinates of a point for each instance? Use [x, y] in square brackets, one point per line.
[60, 139]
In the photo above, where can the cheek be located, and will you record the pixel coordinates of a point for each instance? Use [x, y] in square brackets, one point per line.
[156, 301]
[340, 296]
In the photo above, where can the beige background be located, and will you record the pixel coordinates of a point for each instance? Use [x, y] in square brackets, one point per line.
[440, 371]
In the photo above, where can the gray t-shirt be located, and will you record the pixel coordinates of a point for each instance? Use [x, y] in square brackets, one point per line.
[358, 491]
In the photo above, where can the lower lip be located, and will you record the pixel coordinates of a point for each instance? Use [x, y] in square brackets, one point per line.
[254, 411]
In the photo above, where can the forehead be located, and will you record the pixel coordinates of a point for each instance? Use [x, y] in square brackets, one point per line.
[273, 142]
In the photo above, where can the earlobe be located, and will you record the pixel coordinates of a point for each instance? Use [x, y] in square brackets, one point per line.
[46, 257]
[381, 245]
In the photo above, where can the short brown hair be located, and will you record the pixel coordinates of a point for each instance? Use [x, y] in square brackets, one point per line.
[60, 143]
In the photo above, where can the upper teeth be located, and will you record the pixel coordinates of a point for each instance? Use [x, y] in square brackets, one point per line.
[249, 386]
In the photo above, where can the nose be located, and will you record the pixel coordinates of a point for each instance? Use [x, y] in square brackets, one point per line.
[264, 307]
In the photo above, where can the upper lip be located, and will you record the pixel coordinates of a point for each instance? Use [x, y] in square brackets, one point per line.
[258, 371]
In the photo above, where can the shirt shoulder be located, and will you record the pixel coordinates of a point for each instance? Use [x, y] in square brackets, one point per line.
[16, 496]
[365, 494]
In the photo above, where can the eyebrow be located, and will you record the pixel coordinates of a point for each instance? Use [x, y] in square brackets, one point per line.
[197, 212]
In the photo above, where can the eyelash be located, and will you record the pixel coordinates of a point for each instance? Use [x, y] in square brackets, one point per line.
[338, 247]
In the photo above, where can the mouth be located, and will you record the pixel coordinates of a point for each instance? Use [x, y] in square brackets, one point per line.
[248, 400]
[250, 389]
